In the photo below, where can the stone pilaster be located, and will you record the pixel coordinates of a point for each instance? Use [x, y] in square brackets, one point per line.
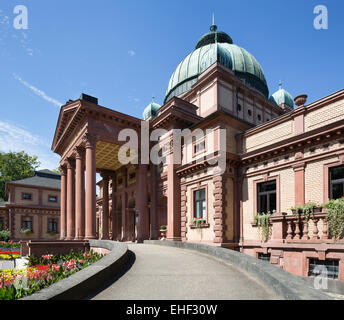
[183, 206]
[220, 209]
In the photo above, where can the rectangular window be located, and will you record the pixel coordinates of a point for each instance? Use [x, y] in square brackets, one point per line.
[2, 224]
[337, 182]
[264, 257]
[329, 267]
[27, 224]
[200, 204]
[199, 147]
[267, 199]
[26, 196]
[52, 199]
[52, 225]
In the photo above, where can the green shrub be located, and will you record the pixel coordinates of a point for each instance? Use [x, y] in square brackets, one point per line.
[4, 235]
[264, 227]
[335, 217]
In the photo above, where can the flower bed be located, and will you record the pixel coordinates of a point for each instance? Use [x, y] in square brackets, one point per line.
[9, 250]
[42, 272]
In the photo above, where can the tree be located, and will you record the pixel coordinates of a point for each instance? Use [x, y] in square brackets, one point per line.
[15, 166]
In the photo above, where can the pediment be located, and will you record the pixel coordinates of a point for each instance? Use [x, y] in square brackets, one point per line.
[66, 116]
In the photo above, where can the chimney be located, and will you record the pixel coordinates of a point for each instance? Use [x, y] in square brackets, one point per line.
[88, 98]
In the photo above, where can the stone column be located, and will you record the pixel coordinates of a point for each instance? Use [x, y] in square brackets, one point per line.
[91, 197]
[63, 205]
[142, 204]
[114, 211]
[79, 195]
[70, 200]
[173, 202]
[124, 217]
[153, 204]
[105, 212]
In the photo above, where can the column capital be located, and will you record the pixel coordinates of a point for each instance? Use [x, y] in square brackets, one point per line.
[79, 152]
[70, 163]
[63, 169]
[90, 140]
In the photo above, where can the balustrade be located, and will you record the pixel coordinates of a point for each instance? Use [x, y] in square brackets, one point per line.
[295, 228]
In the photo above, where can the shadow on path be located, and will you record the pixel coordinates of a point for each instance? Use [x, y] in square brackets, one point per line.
[131, 261]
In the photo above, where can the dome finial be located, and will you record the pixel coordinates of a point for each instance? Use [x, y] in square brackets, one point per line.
[213, 27]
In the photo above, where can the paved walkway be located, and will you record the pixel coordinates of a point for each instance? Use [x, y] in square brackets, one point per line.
[167, 273]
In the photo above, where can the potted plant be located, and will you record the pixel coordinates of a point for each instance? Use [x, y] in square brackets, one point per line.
[296, 210]
[163, 231]
[198, 222]
[26, 231]
[308, 209]
[262, 220]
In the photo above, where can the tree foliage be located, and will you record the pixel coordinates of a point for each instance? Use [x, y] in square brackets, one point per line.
[15, 166]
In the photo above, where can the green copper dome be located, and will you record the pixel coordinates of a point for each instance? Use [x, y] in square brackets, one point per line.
[212, 47]
[282, 97]
[151, 110]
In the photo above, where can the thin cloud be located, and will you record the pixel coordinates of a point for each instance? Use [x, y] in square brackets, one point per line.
[37, 91]
[131, 53]
[15, 138]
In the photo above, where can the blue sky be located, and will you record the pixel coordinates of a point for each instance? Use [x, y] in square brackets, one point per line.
[123, 52]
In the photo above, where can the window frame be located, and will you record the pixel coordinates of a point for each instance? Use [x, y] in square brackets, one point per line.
[198, 142]
[56, 223]
[333, 276]
[193, 209]
[26, 193]
[266, 178]
[23, 220]
[268, 195]
[52, 196]
[337, 181]
[326, 177]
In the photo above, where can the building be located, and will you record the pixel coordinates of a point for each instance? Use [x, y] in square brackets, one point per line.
[277, 156]
[33, 208]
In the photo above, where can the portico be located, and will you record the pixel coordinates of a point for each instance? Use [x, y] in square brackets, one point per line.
[93, 131]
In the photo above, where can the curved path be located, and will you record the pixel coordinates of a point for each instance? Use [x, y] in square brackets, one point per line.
[167, 273]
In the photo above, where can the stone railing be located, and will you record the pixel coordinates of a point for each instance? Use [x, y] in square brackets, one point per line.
[295, 228]
[87, 281]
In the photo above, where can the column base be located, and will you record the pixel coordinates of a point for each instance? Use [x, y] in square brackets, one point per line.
[174, 238]
[90, 238]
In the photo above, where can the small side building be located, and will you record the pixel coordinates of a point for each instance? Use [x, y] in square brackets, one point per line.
[33, 208]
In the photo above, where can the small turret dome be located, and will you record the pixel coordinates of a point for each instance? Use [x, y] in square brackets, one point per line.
[281, 97]
[151, 110]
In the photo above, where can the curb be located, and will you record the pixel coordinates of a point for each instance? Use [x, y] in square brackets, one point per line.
[285, 285]
[88, 280]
